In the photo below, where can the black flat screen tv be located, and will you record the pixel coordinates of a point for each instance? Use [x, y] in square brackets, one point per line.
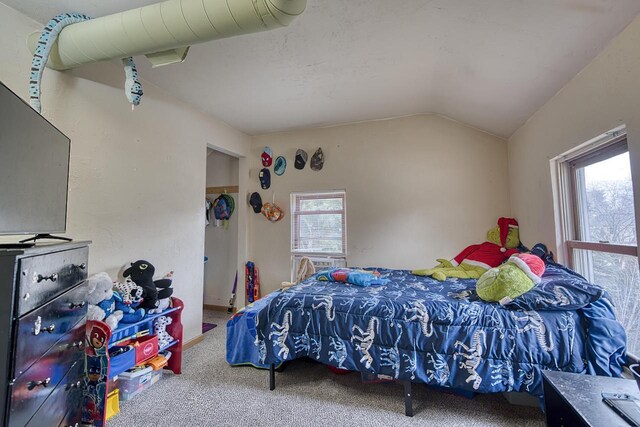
[34, 170]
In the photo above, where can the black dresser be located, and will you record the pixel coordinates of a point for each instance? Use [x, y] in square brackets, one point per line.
[42, 333]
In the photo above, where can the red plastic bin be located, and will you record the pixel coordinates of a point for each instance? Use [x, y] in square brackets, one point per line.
[146, 348]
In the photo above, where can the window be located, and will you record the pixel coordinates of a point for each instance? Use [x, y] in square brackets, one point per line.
[599, 224]
[318, 224]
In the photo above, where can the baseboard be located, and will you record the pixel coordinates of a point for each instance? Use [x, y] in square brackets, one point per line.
[192, 342]
[218, 308]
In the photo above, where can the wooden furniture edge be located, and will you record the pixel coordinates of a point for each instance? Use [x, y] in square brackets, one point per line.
[218, 308]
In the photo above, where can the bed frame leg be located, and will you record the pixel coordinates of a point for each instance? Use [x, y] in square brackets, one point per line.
[408, 403]
[272, 377]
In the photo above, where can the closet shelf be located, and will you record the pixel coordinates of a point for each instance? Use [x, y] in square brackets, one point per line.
[229, 189]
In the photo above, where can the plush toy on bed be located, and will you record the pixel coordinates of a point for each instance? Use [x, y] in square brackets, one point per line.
[474, 260]
[512, 279]
[353, 276]
[101, 300]
[141, 272]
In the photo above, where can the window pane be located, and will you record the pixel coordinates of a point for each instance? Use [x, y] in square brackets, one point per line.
[620, 276]
[328, 204]
[320, 233]
[606, 202]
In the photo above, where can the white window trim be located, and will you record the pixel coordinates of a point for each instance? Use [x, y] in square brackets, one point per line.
[566, 213]
[298, 252]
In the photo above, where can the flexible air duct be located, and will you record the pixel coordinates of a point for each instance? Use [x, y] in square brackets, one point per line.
[163, 31]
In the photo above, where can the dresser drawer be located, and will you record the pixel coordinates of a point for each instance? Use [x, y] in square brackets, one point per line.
[68, 394]
[73, 418]
[41, 329]
[43, 277]
[33, 387]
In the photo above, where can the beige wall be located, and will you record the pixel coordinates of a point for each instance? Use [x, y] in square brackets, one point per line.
[418, 188]
[136, 178]
[601, 97]
[221, 243]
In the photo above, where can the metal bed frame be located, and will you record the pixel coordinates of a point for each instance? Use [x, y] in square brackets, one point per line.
[408, 401]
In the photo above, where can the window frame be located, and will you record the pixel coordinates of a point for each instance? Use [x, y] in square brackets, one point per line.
[569, 190]
[295, 204]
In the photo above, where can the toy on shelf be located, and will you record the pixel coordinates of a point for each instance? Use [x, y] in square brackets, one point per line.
[164, 296]
[141, 272]
[101, 300]
[128, 297]
[160, 329]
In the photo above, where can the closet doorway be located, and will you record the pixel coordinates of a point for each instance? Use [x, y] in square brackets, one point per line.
[221, 233]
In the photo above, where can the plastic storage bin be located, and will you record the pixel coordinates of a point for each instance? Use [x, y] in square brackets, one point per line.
[122, 361]
[133, 383]
[146, 348]
[113, 403]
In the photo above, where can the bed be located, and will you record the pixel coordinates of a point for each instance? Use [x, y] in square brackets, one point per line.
[416, 329]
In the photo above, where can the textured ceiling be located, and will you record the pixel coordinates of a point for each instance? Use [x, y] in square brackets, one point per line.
[488, 63]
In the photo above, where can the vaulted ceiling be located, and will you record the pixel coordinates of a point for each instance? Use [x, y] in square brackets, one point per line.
[488, 63]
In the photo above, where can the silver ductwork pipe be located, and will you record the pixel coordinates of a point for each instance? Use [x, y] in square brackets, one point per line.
[164, 31]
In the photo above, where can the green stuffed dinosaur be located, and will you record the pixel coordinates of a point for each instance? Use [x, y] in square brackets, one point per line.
[475, 260]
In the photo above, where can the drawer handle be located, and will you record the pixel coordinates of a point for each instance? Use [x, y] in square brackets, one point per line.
[78, 345]
[82, 266]
[37, 327]
[53, 277]
[77, 305]
[43, 383]
[75, 385]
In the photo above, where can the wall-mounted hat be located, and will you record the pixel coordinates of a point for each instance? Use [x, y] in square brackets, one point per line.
[272, 212]
[317, 160]
[280, 166]
[256, 202]
[301, 159]
[267, 157]
[265, 178]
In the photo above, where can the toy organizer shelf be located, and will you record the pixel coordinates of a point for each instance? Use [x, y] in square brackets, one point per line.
[125, 332]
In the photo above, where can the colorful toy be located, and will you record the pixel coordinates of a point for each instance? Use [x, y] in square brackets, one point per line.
[252, 282]
[101, 300]
[129, 314]
[475, 260]
[133, 88]
[130, 292]
[510, 280]
[353, 276]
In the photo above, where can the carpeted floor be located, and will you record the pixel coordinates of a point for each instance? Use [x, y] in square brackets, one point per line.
[211, 393]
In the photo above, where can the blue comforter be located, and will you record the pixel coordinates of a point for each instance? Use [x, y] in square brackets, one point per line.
[440, 333]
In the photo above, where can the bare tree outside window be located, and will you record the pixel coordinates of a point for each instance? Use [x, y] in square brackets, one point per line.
[605, 218]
